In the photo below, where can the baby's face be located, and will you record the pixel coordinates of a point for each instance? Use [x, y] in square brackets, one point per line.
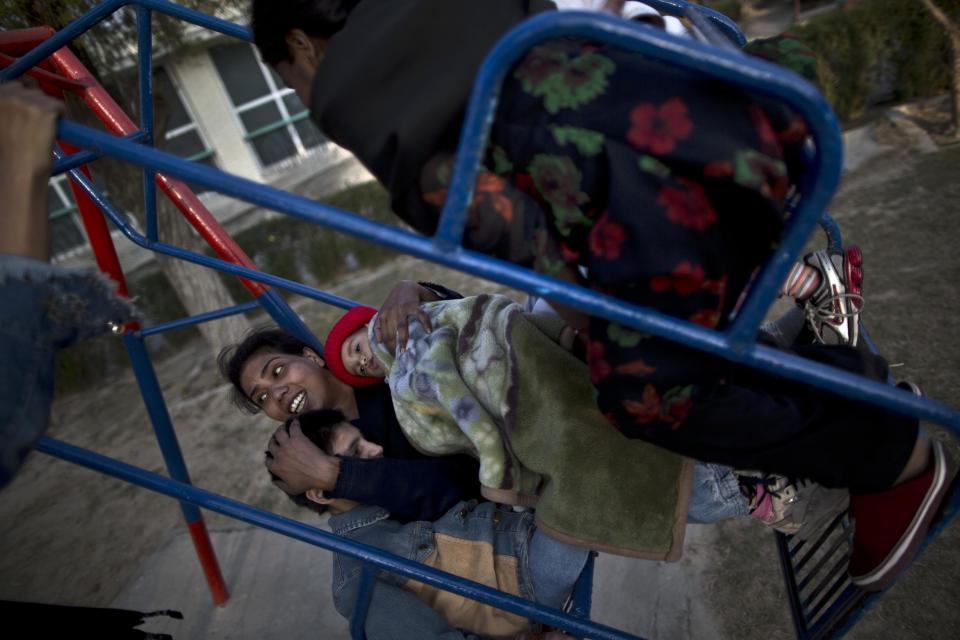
[357, 356]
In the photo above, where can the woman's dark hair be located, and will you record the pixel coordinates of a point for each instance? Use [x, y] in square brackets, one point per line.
[271, 21]
[232, 358]
[319, 426]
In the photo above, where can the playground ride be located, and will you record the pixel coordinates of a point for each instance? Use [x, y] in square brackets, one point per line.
[823, 602]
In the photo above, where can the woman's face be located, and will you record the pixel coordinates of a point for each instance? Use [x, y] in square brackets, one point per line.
[285, 385]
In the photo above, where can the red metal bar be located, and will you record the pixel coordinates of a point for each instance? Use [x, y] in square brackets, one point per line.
[208, 560]
[113, 117]
[118, 123]
[95, 225]
[48, 77]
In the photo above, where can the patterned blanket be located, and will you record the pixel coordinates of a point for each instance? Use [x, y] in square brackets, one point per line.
[490, 380]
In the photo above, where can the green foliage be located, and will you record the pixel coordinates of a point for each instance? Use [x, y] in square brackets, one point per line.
[730, 8]
[309, 253]
[896, 38]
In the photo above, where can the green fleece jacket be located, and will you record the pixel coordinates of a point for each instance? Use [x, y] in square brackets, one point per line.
[490, 380]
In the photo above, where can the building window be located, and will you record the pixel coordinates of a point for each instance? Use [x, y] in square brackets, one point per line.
[182, 136]
[66, 230]
[274, 120]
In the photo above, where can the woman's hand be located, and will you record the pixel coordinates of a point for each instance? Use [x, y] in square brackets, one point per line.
[298, 463]
[402, 303]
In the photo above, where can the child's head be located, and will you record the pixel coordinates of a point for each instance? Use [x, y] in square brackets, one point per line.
[330, 432]
[347, 350]
[276, 372]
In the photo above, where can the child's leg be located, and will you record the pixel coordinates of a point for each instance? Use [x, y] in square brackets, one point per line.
[715, 495]
[827, 286]
[554, 568]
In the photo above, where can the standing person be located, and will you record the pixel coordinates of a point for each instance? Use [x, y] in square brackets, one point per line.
[45, 308]
[666, 191]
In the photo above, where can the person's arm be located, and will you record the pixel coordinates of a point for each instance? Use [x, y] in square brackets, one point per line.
[419, 489]
[404, 301]
[291, 456]
[27, 129]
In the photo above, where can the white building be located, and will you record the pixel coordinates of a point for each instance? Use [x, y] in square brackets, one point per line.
[229, 110]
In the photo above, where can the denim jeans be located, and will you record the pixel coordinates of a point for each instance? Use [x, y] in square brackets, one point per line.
[554, 568]
[43, 309]
[715, 495]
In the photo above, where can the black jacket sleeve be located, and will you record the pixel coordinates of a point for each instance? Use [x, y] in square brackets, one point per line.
[418, 489]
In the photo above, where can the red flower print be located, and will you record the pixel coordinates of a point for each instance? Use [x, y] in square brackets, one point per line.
[677, 412]
[658, 128]
[684, 279]
[647, 409]
[768, 140]
[635, 368]
[568, 254]
[719, 169]
[795, 131]
[708, 318]
[689, 206]
[599, 368]
[606, 238]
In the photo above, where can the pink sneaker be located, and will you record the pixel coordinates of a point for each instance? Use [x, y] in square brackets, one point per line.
[890, 526]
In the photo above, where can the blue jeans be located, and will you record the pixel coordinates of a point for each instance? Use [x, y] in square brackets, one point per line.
[42, 310]
[715, 495]
[554, 568]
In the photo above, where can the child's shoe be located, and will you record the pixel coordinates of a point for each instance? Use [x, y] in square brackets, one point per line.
[890, 526]
[793, 507]
[833, 310]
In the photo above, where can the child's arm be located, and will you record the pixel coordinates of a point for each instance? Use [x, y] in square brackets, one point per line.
[404, 301]
[418, 489]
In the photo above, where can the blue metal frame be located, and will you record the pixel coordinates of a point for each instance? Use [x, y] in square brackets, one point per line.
[717, 60]
[372, 556]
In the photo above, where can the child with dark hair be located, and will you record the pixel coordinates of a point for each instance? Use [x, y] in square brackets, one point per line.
[484, 542]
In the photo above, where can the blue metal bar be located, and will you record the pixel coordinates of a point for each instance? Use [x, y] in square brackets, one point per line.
[196, 17]
[63, 37]
[199, 318]
[761, 357]
[583, 590]
[324, 539]
[682, 9]
[123, 224]
[728, 66]
[703, 24]
[85, 22]
[81, 158]
[145, 68]
[287, 318]
[832, 231]
[362, 604]
[157, 408]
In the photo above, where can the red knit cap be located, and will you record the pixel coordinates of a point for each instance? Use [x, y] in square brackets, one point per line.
[346, 325]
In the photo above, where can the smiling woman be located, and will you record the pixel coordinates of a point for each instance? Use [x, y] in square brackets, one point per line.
[274, 372]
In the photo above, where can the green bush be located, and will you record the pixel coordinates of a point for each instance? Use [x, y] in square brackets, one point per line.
[301, 251]
[730, 8]
[893, 38]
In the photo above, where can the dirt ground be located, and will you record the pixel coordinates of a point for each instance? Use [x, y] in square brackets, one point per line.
[73, 536]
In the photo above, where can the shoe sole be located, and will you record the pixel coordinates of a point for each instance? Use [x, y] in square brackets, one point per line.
[905, 550]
